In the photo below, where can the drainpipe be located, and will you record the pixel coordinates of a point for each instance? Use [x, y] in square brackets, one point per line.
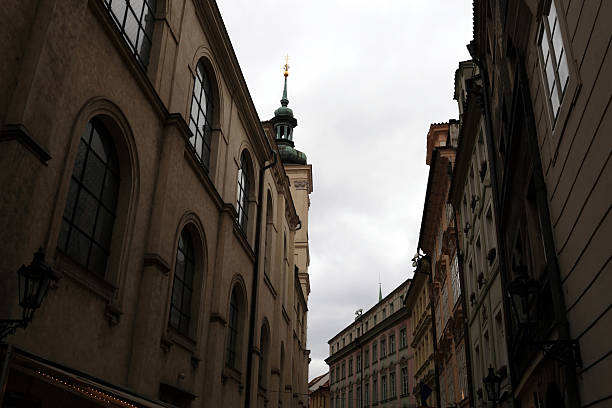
[257, 245]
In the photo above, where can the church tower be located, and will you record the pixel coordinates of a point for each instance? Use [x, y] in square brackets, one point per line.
[300, 175]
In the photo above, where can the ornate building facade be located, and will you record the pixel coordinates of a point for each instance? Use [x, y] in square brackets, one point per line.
[371, 360]
[174, 222]
[437, 240]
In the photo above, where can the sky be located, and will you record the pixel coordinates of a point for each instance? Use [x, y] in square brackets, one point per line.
[367, 78]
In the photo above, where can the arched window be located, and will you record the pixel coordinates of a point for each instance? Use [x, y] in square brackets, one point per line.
[233, 328]
[135, 20]
[200, 116]
[182, 288]
[243, 192]
[89, 215]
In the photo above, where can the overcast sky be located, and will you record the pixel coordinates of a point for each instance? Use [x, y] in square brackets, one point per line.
[367, 78]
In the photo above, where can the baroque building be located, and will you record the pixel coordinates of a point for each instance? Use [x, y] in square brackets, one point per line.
[174, 222]
[371, 360]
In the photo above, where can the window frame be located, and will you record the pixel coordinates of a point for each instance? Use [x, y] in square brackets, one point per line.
[243, 189]
[202, 84]
[94, 125]
[557, 123]
[186, 310]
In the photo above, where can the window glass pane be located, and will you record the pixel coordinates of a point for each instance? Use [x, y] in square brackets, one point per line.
[118, 8]
[79, 164]
[85, 214]
[186, 308]
[98, 146]
[177, 293]
[93, 177]
[557, 41]
[78, 247]
[131, 28]
[554, 100]
[104, 227]
[97, 260]
[552, 15]
[63, 237]
[109, 193]
[180, 265]
[174, 317]
[550, 75]
[144, 47]
[563, 72]
[71, 201]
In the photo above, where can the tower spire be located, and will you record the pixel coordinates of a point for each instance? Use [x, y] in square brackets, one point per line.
[285, 101]
[379, 288]
[284, 122]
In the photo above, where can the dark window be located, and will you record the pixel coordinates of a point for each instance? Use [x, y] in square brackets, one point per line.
[200, 116]
[232, 331]
[242, 193]
[135, 20]
[89, 215]
[182, 289]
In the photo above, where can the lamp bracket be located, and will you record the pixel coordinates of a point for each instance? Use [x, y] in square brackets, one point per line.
[565, 351]
[9, 326]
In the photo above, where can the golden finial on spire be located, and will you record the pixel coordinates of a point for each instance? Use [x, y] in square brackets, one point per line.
[286, 66]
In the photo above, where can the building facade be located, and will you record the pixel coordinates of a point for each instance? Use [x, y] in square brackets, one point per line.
[176, 222]
[437, 240]
[418, 304]
[546, 92]
[318, 392]
[371, 360]
[478, 261]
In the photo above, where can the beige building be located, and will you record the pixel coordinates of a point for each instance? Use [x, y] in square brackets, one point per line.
[177, 223]
[371, 360]
[318, 392]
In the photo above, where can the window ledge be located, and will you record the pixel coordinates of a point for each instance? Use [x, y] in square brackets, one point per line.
[232, 374]
[186, 342]
[96, 284]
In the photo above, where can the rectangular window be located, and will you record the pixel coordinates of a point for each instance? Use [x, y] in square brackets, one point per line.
[391, 385]
[383, 381]
[374, 391]
[343, 370]
[392, 344]
[350, 367]
[358, 395]
[366, 394]
[374, 357]
[350, 399]
[391, 308]
[555, 70]
[404, 373]
[367, 358]
[358, 363]
[403, 339]
[383, 348]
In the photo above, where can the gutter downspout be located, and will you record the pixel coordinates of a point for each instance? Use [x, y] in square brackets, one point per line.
[257, 245]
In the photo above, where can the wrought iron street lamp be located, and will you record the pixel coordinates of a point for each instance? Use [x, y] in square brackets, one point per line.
[523, 293]
[492, 383]
[34, 281]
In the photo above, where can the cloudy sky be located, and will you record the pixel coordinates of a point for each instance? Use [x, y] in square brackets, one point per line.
[367, 78]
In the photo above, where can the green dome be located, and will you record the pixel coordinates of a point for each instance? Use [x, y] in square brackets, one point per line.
[289, 155]
[283, 111]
